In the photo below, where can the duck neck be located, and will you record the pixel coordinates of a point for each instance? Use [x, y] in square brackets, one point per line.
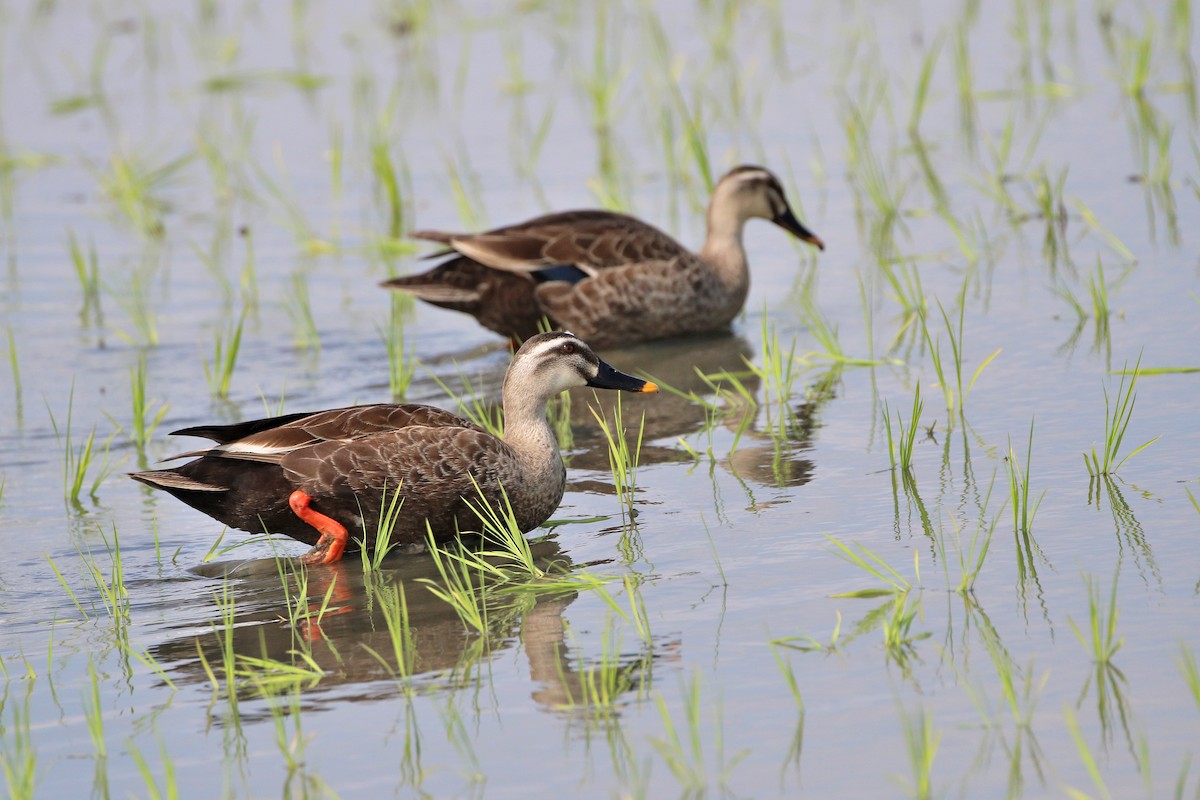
[723, 249]
[527, 432]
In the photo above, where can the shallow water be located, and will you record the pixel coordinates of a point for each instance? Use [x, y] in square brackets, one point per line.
[489, 115]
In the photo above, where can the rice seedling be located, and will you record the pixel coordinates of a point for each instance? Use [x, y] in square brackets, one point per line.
[1101, 642]
[1116, 421]
[460, 737]
[87, 270]
[686, 759]
[602, 85]
[789, 676]
[284, 195]
[903, 277]
[622, 456]
[970, 558]
[472, 405]
[464, 185]
[921, 91]
[598, 685]
[921, 743]
[1099, 310]
[94, 713]
[499, 529]
[267, 676]
[810, 644]
[387, 178]
[12, 165]
[15, 365]
[146, 417]
[372, 560]
[147, 660]
[460, 587]
[111, 588]
[1049, 199]
[1020, 693]
[248, 278]
[134, 184]
[393, 603]
[226, 345]
[67, 587]
[170, 784]
[636, 614]
[412, 772]
[18, 756]
[305, 335]
[965, 83]
[1085, 755]
[1191, 673]
[876, 181]
[136, 304]
[899, 641]
[900, 448]
[402, 364]
[731, 399]
[79, 462]
[778, 374]
[875, 566]
[226, 604]
[955, 402]
[558, 412]
[1105, 233]
[1019, 492]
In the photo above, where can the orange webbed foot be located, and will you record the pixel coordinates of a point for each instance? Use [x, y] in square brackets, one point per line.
[334, 536]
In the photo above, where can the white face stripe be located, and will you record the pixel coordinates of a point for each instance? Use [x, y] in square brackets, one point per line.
[762, 183]
[754, 175]
[548, 354]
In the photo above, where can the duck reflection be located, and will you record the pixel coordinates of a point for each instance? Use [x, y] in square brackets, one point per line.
[710, 386]
[342, 645]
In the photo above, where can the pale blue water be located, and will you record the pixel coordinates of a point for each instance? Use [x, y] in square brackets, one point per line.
[732, 552]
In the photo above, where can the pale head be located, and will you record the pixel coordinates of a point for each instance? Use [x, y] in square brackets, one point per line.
[550, 363]
[747, 192]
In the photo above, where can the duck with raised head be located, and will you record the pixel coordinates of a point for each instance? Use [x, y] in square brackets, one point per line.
[325, 478]
[610, 277]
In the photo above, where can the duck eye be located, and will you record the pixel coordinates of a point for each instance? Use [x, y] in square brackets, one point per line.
[568, 348]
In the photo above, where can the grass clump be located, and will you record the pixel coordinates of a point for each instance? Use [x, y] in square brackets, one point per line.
[1116, 421]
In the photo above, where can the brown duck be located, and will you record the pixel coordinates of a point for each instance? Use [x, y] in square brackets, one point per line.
[609, 277]
[326, 478]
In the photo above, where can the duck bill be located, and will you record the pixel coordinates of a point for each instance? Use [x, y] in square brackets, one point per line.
[787, 220]
[609, 378]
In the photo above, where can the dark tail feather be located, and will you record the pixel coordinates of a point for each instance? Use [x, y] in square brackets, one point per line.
[224, 434]
[171, 480]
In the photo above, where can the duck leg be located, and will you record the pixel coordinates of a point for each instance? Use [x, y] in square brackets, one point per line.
[332, 544]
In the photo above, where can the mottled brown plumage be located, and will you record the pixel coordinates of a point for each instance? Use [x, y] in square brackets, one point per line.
[352, 462]
[609, 277]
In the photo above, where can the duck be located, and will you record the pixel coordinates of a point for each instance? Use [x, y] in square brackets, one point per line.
[609, 277]
[328, 478]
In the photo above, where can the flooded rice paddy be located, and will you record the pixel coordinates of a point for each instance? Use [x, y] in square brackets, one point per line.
[891, 536]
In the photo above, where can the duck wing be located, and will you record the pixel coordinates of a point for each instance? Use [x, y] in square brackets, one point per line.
[270, 440]
[431, 465]
[650, 300]
[590, 240]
